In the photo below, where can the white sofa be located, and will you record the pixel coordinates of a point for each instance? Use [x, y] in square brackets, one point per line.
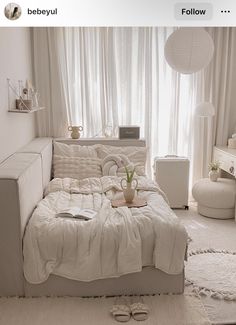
[23, 177]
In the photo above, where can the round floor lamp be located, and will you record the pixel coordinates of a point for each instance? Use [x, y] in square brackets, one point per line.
[206, 111]
[189, 49]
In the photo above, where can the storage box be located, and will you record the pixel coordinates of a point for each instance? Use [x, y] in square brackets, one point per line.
[24, 104]
[129, 132]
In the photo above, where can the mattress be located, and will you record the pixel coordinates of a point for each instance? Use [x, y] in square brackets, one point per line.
[116, 242]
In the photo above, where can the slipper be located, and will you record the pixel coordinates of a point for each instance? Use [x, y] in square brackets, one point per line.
[121, 310]
[139, 310]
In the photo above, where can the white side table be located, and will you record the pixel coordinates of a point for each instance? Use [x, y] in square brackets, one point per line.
[227, 159]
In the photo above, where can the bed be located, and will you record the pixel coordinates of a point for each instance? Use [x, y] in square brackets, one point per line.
[146, 264]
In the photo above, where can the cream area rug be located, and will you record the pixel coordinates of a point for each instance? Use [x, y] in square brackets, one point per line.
[164, 310]
[212, 272]
[207, 233]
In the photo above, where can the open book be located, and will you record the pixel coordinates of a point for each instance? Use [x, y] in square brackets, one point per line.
[75, 212]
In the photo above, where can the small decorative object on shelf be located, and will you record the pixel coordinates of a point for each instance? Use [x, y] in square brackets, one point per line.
[75, 131]
[108, 131]
[25, 99]
[129, 132]
[214, 170]
[22, 104]
[130, 186]
[232, 142]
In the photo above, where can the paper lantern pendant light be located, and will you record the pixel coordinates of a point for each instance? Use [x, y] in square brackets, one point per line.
[188, 50]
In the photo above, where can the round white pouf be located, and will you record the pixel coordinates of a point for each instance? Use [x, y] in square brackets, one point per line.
[215, 199]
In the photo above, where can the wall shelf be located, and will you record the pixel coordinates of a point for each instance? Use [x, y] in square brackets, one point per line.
[26, 110]
[106, 141]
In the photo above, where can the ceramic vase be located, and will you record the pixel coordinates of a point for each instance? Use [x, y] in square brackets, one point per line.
[75, 131]
[129, 189]
[213, 175]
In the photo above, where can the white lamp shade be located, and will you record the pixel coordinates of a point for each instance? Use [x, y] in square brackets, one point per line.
[188, 50]
[205, 109]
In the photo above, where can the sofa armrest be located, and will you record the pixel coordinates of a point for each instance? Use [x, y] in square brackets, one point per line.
[43, 147]
[21, 188]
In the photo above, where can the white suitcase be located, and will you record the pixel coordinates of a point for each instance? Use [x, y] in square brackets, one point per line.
[172, 175]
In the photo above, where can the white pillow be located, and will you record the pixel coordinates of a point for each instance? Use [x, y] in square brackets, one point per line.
[74, 150]
[136, 155]
[76, 167]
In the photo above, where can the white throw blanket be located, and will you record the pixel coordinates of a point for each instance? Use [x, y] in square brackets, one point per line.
[115, 242]
[114, 165]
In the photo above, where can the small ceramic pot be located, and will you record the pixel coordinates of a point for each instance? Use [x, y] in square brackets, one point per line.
[213, 175]
[129, 189]
[75, 131]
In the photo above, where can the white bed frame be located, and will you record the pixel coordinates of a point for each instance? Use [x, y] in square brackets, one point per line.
[23, 177]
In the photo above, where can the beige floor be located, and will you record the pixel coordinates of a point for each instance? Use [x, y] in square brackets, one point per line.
[212, 233]
[164, 310]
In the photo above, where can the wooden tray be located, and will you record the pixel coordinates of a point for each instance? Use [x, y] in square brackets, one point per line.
[137, 203]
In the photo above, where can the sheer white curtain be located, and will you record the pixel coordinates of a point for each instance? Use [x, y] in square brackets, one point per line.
[53, 121]
[119, 76]
[99, 77]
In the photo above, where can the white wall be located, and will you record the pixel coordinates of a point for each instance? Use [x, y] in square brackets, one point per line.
[232, 124]
[16, 129]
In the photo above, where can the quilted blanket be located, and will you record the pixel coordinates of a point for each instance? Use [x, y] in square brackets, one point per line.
[116, 242]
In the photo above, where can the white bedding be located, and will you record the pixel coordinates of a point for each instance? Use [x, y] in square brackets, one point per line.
[115, 242]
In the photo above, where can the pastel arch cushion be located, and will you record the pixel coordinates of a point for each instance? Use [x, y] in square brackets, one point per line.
[215, 199]
[136, 155]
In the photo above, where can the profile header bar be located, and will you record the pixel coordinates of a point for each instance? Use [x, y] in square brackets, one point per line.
[117, 13]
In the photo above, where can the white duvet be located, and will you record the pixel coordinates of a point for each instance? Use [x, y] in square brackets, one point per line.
[116, 242]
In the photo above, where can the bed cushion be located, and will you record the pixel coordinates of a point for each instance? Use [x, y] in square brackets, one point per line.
[136, 155]
[76, 167]
[74, 150]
